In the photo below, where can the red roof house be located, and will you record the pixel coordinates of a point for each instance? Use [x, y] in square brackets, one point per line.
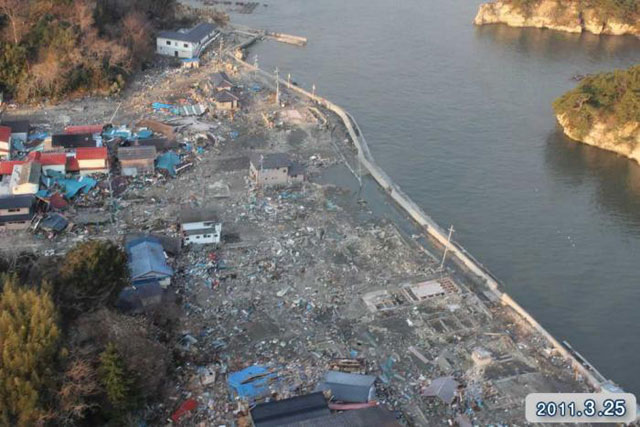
[6, 166]
[76, 130]
[72, 165]
[92, 159]
[5, 141]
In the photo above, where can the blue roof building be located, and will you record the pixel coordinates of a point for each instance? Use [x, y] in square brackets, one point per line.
[147, 261]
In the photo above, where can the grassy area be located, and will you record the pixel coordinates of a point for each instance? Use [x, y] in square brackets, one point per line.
[627, 11]
[612, 97]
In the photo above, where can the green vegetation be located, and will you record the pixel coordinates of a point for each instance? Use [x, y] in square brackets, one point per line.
[50, 48]
[69, 359]
[118, 383]
[29, 341]
[626, 11]
[612, 97]
[91, 276]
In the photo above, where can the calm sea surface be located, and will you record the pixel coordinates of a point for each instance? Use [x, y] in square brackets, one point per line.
[460, 117]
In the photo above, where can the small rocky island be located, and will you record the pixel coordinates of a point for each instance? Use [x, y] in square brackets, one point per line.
[612, 17]
[604, 111]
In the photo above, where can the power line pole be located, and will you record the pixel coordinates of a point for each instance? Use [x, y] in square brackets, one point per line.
[446, 248]
[277, 88]
[313, 90]
[288, 80]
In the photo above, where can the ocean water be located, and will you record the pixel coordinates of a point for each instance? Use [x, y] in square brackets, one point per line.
[460, 117]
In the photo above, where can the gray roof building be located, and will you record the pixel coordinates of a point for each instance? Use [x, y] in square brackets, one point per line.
[30, 173]
[346, 387]
[137, 153]
[194, 35]
[221, 80]
[443, 387]
[225, 96]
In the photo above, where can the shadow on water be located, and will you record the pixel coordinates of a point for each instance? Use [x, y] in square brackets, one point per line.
[615, 178]
[557, 45]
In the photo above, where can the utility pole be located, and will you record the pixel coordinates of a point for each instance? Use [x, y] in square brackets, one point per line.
[220, 53]
[313, 90]
[288, 80]
[277, 88]
[446, 248]
[255, 63]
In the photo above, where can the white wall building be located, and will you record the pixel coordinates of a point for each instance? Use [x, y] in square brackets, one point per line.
[200, 226]
[185, 44]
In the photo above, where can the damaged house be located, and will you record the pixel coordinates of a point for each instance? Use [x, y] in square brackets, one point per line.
[25, 178]
[137, 160]
[16, 212]
[274, 169]
[225, 100]
[221, 81]
[200, 226]
[19, 129]
[147, 262]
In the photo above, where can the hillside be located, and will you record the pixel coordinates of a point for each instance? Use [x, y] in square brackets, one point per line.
[604, 111]
[614, 17]
[51, 48]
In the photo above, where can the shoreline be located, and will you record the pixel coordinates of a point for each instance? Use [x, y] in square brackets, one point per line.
[594, 378]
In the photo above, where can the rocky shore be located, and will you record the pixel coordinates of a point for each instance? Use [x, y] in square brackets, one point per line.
[624, 140]
[555, 15]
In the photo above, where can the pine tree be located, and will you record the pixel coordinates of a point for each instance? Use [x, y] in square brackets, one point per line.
[116, 380]
[92, 275]
[28, 342]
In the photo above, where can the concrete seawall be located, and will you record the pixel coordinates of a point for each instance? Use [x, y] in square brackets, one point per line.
[433, 229]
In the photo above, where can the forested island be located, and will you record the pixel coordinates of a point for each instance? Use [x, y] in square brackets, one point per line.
[604, 111]
[614, 17]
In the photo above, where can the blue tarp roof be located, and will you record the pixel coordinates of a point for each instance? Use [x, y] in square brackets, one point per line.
[71, 186]
[168, 161]
[252, 382]
[147, 256]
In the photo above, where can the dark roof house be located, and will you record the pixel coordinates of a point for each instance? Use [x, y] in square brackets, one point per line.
[17, 126]
[376, 416]
[287, 411]
[73, 140]
[221, 81]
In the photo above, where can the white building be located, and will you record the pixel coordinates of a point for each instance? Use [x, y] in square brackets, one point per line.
[186, 44]
[200, 226]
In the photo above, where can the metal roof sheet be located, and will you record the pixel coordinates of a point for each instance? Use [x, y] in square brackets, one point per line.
[348, 387]
[19, 201]
[147, 256]
[194, 35]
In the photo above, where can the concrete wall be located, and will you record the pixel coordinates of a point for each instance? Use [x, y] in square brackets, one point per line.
[431, 227]
[169, 50]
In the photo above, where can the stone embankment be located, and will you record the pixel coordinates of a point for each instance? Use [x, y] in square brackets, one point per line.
[556, 15]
